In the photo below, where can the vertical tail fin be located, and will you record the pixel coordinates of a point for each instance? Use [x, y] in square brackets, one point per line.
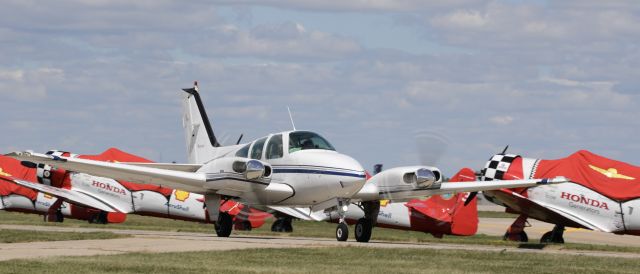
[201, 142]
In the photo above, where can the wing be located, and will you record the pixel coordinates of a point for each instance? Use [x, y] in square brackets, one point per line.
[188, 181]
[175, 167]
[393, 185]
[71, 196]
[564, 213]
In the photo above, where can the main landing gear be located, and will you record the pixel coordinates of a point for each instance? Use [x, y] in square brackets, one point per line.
[282, 224]
[554, 236]
[516, 231]
[364, 226]
[224, 225]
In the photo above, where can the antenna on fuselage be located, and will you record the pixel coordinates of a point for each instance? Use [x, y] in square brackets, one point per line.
[291, 117]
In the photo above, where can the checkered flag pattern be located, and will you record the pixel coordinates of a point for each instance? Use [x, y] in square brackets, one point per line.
[497, 166]
[44, 174]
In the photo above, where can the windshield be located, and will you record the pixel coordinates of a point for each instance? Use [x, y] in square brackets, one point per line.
[301, 140]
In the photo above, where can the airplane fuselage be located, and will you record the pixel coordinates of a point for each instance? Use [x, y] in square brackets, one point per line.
[301, 174]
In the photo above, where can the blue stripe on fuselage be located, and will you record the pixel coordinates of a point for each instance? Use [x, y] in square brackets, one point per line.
[315, 171]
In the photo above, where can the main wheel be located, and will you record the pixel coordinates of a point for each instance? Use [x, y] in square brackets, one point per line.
[224, 225]
[548, 238]
[363, 230]
[342, 232]
[287, 226]
[59, 216]
[516, 237]
[277, 226]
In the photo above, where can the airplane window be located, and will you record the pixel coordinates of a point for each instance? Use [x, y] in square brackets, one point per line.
[244, 151]
[274, 147]
[256, 150]
[301, 140]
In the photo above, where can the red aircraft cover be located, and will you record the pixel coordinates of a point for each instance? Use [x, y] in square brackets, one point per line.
[116, 155]
[463, 219]
[11, 168]
[614, 179]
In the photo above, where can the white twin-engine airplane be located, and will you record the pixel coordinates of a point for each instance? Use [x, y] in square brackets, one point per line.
[294, 172]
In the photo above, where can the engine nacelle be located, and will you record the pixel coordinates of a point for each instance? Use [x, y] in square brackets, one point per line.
[413, 177]
[250, 169]
[423, 177]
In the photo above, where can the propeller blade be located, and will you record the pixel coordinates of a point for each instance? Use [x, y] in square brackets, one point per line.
[431, 147]
[472, 195]
[504, 151]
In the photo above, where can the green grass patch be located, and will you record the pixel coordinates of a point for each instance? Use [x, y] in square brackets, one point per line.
[303, 229]
[326, 260]
[24, 236]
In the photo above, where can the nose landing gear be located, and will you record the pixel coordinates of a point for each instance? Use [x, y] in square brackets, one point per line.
[342, 231]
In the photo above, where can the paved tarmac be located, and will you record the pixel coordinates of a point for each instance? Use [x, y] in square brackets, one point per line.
[498, 226]
[157, 241]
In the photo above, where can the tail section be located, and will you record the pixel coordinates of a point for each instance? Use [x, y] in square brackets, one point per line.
[464, 219]
[201, 142]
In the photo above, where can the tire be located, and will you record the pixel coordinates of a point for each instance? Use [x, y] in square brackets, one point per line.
[59, 216]
[287, 226]
[548, 238]
[363, 230]
[519, 237]
[342, 232]
[224, 225]
[277, 226]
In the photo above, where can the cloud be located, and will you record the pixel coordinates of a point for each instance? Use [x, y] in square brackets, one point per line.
[286, 40]
[28, 84]
[502, 120]
[356, 5]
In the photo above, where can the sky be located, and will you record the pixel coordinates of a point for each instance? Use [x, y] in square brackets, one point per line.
[374, 77]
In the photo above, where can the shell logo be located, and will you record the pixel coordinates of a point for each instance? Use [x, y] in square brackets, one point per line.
[47, 196]
[4, 173]
[181, 195]
[384, 203]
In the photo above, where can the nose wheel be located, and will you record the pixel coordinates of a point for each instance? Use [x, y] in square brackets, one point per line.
[342, 232]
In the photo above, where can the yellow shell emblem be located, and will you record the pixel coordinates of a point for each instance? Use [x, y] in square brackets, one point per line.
[611, 173]
[384, 203]
[181, 195]
[4, 173]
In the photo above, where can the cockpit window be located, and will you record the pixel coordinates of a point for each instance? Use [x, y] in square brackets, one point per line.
[256, 150]
[301, 140]
[244, 151]
[274, 147]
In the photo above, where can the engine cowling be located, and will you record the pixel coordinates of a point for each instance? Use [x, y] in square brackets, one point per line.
[250, 169]
[422, 177]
